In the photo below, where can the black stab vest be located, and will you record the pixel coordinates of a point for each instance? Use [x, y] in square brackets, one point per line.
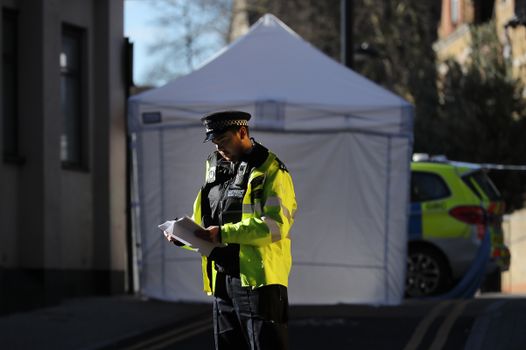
[222, 200]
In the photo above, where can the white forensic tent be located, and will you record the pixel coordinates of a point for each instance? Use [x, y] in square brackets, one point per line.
[346, 141]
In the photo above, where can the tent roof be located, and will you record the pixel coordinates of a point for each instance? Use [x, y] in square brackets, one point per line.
[271, 62]
[285, 82]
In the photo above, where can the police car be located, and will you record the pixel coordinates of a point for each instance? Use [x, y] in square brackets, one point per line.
[453, 205]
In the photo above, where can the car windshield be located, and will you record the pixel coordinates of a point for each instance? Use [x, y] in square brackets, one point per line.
[483, 183]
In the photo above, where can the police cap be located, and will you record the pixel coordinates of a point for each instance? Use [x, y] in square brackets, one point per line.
[218, 122]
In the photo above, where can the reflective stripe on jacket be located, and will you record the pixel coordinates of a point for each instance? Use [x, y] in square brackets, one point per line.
[269, 204]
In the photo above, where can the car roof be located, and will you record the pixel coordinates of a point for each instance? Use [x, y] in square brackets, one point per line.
[462, 167]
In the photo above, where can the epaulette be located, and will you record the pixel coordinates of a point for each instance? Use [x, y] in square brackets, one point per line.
[282, 165]
[212, 165]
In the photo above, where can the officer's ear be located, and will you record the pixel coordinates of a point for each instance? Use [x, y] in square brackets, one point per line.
[243, 132]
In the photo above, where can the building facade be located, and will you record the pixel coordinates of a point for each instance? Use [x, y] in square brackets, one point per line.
[454, 36]
[510, 19]
[63, 143]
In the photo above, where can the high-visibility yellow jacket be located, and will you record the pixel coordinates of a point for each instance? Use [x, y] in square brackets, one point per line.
[269, 204]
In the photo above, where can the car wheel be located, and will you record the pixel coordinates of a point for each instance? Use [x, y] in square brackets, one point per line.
[427, 272]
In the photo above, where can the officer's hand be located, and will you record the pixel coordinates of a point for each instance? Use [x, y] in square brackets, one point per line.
[210, 234]
[172, 239]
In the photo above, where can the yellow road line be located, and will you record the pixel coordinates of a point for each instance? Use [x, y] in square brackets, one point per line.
[445, 328]
[181, 337]
[174, 335]
[424, 325]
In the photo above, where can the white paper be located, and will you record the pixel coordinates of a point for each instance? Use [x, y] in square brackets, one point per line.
[183, 230]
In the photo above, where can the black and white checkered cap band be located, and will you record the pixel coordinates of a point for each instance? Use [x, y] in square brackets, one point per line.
[223, 124]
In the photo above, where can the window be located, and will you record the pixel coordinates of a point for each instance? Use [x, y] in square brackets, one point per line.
[427, 186]
[72, 138]
[454, 8]
[10, 85]
[520, 9]
[483, 10]
[484, 184]
[270, 114]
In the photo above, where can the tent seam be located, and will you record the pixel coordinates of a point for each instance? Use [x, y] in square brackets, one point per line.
[141, 227]
[386, 229]
[163, 246]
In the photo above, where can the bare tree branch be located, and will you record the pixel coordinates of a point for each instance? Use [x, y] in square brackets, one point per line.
[190, 32]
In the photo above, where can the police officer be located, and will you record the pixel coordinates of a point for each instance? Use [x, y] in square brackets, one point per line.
[247, 202]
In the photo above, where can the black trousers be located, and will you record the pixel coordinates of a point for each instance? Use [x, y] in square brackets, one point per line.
[246, 318]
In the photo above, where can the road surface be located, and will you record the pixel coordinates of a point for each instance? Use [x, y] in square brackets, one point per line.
[490, 322]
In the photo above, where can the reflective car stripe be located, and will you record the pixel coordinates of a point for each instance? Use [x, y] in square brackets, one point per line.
[415, 222]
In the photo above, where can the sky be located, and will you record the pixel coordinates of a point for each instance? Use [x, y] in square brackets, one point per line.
[140, 29]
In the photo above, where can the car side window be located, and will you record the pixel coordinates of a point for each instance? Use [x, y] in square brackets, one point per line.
[485, 184]
[427, 186]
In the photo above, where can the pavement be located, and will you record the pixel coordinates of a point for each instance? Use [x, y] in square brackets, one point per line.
[96, 322]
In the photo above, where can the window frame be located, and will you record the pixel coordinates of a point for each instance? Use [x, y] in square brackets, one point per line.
[79, 34]
[12, 156]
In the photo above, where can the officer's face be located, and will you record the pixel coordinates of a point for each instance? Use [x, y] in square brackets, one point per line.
[229, 145]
